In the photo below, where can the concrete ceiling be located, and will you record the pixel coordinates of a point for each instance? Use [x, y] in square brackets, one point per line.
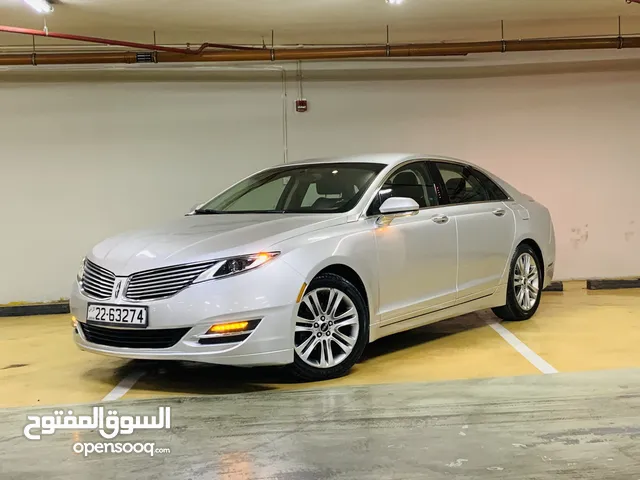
[322, 21]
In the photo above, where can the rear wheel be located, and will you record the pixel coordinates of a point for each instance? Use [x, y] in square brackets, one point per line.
[331, 331]
[525, 286]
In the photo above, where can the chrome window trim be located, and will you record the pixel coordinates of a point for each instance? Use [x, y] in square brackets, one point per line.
[363, 214]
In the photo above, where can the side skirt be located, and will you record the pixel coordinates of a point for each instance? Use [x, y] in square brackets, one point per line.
[494, 299]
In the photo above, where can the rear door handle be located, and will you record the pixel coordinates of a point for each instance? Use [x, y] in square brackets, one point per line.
[440, 218]
[498, 212]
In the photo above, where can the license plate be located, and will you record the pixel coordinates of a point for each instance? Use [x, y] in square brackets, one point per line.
[118, 315]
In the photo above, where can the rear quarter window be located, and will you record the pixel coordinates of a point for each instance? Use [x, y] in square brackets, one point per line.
[494, 191]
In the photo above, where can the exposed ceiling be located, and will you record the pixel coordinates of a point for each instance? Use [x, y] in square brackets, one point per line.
[322, 21]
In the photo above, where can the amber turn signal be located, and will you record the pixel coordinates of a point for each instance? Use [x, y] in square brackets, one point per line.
[228, 327]
[301, 293]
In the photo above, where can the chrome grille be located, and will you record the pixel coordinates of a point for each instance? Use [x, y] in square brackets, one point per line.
[163, 282]
[97, 282]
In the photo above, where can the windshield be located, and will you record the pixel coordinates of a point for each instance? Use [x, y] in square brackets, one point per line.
[317, 188]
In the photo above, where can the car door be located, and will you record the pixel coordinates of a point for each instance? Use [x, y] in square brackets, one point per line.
[485, 226]
[417, 254]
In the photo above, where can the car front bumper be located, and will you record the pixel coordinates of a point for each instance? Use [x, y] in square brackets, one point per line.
[268, 294]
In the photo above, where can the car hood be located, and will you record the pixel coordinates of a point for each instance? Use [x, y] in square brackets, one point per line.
[203, 237]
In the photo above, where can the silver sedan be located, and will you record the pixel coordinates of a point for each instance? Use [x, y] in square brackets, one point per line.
[304, 264]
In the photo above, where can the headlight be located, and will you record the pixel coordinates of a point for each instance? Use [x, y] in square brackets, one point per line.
[80, 274]
[235, 265]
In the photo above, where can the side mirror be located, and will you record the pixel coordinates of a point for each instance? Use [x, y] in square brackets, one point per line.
[194, 208]
[397, 207]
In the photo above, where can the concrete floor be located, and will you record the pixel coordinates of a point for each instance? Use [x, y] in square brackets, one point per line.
[400, 414]
[579, 426]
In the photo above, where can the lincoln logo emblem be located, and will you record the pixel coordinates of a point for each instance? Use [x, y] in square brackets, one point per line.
[116, 289]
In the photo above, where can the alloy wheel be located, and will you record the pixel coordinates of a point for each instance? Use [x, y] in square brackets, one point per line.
[526, 281]
[327, 327]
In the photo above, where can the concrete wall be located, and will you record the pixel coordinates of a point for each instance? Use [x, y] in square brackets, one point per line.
[81, 160]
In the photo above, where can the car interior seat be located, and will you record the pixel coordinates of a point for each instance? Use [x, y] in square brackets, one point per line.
[405, 184]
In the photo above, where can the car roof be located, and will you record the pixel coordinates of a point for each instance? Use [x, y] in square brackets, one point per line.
[389, 159]
[382, 158]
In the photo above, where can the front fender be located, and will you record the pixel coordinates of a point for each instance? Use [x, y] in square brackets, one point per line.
[350, 245]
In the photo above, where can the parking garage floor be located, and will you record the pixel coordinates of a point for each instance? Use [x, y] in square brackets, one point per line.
[550, 395]
[569, 425]
[575, 330]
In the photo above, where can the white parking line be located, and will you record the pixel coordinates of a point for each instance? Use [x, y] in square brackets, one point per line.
[532, 357]
[124, 386]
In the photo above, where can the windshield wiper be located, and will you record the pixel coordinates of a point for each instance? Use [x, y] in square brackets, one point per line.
[207, 211]
[261, 211]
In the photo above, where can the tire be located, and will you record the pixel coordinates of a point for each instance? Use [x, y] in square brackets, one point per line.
[328, 341]
[517, 307]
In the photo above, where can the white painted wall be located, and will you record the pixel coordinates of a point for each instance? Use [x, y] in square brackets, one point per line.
[80, 162]
[570, 141]
[83, 160]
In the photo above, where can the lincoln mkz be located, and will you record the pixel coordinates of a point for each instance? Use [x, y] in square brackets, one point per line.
[304, 264]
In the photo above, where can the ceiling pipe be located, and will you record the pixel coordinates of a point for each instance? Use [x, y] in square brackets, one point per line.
[321, 53]
[120, 43]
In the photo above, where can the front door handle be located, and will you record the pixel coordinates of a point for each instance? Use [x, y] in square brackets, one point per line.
[498, 212]
[440, 218]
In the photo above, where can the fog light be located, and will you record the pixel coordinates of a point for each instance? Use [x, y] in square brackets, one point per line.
[74, 321]
[232, 327]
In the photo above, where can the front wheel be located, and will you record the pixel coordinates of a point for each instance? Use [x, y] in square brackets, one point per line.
[331, 330]
[525, 286]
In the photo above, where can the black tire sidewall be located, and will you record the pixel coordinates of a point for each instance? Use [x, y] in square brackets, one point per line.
[307, 372]
[512, 301]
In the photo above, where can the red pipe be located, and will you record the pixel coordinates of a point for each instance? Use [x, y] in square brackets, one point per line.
[106, 41]
[173, 55]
